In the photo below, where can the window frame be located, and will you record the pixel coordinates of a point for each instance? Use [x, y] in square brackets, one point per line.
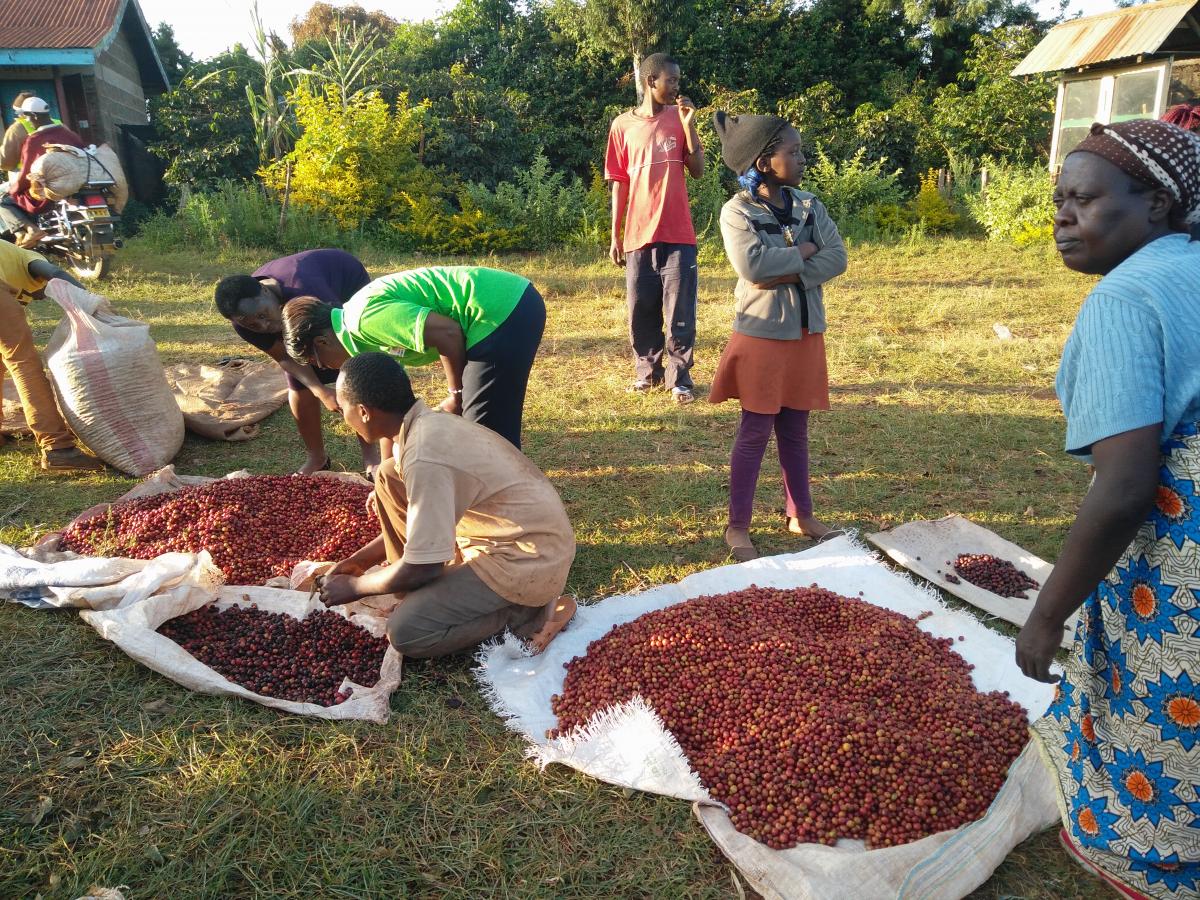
[1108, 83]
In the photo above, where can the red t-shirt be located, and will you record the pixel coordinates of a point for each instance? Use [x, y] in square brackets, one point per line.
[649, 154]
[35, 146]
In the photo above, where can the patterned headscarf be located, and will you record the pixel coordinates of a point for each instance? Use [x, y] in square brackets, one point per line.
[1155, 153]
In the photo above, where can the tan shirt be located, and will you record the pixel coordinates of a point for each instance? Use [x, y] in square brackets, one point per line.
[471, 492]
[10, 148]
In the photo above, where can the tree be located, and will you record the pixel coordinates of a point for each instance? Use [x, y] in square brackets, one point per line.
[322, 21]
[987, 112]
[625, 29]
[205, 132]
[174, 61]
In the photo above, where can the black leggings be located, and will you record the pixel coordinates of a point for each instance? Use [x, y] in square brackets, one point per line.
[497, 371]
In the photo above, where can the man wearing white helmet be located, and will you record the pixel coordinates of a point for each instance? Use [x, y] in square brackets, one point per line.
[18, 208]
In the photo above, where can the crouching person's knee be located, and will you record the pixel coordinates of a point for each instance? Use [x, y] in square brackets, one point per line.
[406, 634]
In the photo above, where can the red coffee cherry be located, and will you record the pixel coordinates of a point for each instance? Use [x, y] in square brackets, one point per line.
[812, 716]
[255, 528]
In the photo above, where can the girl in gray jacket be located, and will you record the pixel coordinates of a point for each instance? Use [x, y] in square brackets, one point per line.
[784, 247]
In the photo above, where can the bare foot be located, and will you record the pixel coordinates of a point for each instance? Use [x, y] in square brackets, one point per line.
[741, 548]
[313, 465]
[809, 526]
[559, 613]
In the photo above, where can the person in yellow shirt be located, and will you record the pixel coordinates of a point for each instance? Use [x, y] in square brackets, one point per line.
[23, 275]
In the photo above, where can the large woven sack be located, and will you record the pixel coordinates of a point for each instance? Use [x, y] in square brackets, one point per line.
[110, 383]
[106, 160]
[59, 172]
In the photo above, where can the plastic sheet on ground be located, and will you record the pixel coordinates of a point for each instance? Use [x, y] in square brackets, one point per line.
[924, 547]
[629, 746]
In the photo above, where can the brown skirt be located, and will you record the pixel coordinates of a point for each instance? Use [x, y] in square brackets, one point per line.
[768, 375]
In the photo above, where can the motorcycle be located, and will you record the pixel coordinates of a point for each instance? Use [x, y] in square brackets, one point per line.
[81, 230]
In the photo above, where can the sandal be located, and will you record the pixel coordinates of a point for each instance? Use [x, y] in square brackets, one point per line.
[740, 552]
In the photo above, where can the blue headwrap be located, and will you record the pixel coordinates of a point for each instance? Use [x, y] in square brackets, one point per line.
[752, 179]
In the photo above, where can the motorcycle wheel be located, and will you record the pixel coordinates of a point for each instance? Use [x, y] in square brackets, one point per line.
[94, 266]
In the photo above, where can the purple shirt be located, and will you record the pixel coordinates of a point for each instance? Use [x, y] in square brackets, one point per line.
[333, 276]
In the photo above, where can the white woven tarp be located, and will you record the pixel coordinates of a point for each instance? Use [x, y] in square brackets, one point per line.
[629, 746]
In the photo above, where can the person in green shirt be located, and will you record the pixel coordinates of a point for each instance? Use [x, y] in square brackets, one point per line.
[484, 325]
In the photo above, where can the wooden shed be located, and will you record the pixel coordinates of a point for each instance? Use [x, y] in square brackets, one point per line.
[93, 61]
[1130, 63]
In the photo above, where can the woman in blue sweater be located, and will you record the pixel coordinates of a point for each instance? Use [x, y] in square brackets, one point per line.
[1122, 736]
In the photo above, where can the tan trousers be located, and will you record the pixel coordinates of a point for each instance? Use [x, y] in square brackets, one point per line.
[20, 358]
[454, 611]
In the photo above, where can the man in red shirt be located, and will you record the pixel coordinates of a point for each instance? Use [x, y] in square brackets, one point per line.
[649, 150]
[18, 207]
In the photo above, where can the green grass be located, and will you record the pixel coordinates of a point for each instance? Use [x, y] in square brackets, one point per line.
[176, 794]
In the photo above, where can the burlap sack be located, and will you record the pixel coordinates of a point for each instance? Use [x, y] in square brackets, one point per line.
[110, 165]
[58, 173]
[63, 170]
[110, 383]
[226, 400]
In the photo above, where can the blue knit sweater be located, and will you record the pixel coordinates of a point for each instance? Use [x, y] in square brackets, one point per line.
[1133, 357]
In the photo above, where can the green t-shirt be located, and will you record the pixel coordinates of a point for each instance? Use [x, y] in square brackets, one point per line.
[389, 313]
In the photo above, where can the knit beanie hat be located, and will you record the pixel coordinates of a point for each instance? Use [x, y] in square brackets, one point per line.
[744, 138]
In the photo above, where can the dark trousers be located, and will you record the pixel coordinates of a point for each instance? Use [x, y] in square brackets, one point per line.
[660, 283]
[12, 217]
[497, 371]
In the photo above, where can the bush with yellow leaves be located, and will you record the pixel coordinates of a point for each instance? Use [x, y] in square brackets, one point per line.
[931, 209]
[355, 159]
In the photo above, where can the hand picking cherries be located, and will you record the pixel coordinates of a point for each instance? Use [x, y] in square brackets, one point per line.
[812, 716]
[280, 656]
[255, 528]
[993, 574]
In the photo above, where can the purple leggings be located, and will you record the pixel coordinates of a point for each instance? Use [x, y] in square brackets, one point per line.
[791, 436]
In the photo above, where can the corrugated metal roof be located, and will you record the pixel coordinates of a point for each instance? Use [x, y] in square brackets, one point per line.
[57, 24]
[1114, 35]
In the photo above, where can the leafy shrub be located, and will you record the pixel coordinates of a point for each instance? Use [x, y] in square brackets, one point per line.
[930, 207]
[235, 214]
[594, 227]
[1016, 205]
[355, 158]
[850, 188]
[540, 204]
[887, 218]
[205, 132]
[707, 194]
[429, 224]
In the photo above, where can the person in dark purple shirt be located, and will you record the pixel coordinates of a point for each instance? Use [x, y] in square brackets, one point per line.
[254, 304]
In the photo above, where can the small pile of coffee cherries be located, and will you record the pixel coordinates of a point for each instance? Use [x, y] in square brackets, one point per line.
[993, 574]
[280, 656]
[256, 528]
[810, 715]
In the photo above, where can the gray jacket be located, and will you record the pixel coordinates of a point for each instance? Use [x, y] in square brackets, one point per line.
[760, 249]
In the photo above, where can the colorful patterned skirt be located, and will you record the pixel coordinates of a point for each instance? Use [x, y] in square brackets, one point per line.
[1122, 736]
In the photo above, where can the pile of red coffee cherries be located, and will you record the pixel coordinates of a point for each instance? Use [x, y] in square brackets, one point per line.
[255, 528]
[280, 656]
[993, 574]
[812, 716]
